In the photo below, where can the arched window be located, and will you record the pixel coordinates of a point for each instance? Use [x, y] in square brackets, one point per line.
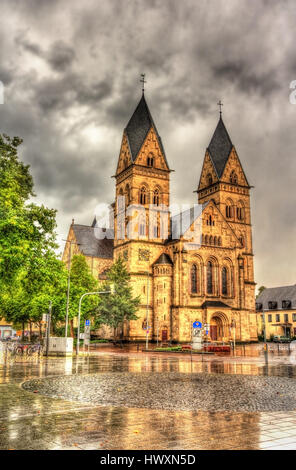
[219, 241]
[210, 289]
[156, 231]
[224, 281]
[211, 240]
[150, 160]
[229, 209]
[206, 240]
[242, 241]
[143, 195]
[240, 212]
[194, 287]
[233, 177]
[127, 193]
[209, 179]
[156, 197]
[215, 241]
[142, 226]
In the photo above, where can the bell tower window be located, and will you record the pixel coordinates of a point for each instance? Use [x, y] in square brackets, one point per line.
[150, 160]
[143, 196]
[209, 179]
[233, 177]
[156, 198]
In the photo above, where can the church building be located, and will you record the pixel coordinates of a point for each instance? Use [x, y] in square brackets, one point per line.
[209, 279]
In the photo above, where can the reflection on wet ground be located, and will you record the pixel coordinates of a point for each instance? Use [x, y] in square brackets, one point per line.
[31, 421]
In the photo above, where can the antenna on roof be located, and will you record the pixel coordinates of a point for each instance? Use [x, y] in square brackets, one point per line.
[143, 81]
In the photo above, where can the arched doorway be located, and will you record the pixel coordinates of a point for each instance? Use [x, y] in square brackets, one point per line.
[218, 327]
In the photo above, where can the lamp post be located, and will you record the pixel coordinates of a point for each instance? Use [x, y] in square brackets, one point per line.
[147, 326]
[111, 291]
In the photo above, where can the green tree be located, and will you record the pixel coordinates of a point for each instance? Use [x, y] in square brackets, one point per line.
[82, 281]
[119, 306]
[30, 273]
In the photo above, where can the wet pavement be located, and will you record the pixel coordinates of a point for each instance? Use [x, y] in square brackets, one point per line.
[31, 420]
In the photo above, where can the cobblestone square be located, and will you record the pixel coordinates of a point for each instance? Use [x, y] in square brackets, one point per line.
[124, 399]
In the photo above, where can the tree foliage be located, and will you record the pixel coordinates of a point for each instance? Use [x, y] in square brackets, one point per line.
[119, 306]
[30, 273]
[82, 281]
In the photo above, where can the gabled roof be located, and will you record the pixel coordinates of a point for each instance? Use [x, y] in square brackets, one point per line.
[181, 222]
[214, 304]
[164, 259]
[138, 127]
[90, 245]
[277, 294]
[220, 147]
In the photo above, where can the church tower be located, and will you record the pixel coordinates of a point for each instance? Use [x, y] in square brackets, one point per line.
[224, 182]
[141, 217]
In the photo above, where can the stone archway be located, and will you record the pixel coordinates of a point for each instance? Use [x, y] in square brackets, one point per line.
[219, 327]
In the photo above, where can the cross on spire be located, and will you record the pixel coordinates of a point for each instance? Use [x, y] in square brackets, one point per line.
[143, 82]
[220, 104]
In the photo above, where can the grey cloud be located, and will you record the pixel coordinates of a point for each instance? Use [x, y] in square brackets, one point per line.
[60, 56]
[247, 81]
[193, 53]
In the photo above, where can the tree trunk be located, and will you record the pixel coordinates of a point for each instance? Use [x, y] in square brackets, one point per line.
[40, 331]
[23, 331]
[30, 334]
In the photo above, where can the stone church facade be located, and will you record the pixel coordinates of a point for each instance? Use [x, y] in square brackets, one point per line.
[196, 265]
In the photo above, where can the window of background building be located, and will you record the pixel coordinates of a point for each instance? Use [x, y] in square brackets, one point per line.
[294, 316]
[277, 317]
[286, 317]
[269, 318]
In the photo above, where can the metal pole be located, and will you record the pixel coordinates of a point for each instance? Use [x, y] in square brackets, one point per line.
[78, 326]
[79, 313]
[48, 328]
[68, 290]
[147, 330]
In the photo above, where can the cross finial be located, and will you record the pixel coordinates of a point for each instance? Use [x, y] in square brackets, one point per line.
[220, 104]
[143, 82]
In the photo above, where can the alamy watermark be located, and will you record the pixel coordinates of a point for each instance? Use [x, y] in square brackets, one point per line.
[157, 222]
[292, 96]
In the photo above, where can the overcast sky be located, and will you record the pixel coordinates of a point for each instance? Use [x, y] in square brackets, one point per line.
[71, 75]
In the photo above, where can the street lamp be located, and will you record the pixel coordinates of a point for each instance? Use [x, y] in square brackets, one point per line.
[111, 291]
[147, 325]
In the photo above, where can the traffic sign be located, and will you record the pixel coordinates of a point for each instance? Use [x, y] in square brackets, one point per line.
[197, 324]
[87, 322]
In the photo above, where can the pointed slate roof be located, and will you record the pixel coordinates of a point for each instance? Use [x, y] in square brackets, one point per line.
[220, 147]
[138, 127]
[92, 246]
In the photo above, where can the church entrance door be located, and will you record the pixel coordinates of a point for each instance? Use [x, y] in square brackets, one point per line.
[213, 332]
[164, 336]
[217, 327]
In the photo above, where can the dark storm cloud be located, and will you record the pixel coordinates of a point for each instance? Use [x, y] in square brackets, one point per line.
[71, 74]
[60, 56]
[239, 73]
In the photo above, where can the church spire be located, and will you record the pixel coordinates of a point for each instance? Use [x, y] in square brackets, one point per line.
[138, 127]
[220, 146]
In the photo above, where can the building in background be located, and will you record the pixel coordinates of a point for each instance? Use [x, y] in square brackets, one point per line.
[6, 330]
[276, 308]
[212, 281]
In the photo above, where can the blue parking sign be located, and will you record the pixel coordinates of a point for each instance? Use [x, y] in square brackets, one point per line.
[87, 322]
